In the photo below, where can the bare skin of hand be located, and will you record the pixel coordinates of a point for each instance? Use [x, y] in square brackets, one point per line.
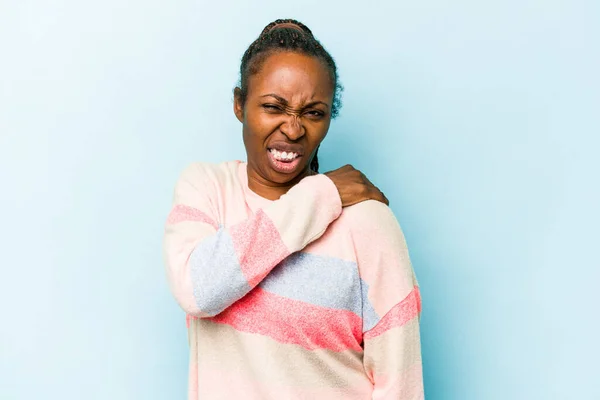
[354, 187]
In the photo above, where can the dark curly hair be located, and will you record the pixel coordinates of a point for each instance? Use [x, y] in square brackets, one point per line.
[288, 35]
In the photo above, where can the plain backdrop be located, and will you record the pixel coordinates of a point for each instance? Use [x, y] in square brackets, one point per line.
[478, 119]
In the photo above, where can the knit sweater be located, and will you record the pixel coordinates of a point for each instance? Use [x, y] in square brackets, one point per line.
[295, 298]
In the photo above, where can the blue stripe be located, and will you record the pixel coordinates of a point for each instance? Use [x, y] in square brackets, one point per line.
[214, 266]
[319, 280]
[370, 317]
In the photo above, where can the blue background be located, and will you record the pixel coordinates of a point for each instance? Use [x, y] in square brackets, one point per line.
[479, 120]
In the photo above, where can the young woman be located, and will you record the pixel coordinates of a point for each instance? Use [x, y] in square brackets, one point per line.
[298, 285]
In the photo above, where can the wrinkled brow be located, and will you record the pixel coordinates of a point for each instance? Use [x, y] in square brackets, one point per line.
[285, 102]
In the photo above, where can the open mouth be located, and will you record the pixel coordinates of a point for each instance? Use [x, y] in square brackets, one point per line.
[284, 161]
[283, 156]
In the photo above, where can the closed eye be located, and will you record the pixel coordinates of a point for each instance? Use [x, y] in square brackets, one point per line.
[315, 113]
[271, 107]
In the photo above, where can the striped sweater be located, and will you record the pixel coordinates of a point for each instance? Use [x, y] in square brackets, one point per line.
[295, 298]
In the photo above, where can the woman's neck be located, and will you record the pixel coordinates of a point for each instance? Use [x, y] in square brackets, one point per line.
[272, 190]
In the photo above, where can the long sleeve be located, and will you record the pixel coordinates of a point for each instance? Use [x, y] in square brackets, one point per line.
[209, 266]
[391, 306]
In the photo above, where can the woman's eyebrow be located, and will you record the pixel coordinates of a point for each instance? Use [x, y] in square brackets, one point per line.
[285, 102]
[279, 98]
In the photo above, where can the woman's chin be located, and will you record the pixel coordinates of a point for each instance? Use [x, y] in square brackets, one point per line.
[286, 177]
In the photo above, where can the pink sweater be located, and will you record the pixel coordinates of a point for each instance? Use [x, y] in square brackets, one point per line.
[293, 298]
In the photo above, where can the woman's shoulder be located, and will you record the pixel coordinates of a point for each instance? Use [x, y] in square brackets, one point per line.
[371, 219]
[381, 249]
[369, 213]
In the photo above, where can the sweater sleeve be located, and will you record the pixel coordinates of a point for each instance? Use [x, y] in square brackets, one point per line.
[209, 266]
[391, 307]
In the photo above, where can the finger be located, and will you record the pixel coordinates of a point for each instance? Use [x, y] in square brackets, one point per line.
[386, 201]
[368, 181]
[375, 194]
[382, 197]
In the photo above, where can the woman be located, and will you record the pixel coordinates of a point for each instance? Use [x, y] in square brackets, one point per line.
[298, 285]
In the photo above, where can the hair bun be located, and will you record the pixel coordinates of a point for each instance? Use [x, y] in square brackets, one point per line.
[292, 25]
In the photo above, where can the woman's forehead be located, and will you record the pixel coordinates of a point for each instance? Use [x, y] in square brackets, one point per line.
[292, 74]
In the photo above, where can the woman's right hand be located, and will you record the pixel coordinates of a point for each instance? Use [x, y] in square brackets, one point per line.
[354, 186]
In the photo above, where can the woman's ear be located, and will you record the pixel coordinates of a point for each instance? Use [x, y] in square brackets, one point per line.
[238, 106]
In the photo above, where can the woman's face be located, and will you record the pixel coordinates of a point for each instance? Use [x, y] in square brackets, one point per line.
[286, 116]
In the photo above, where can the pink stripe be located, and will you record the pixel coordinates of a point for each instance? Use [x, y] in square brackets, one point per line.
[294, 322]
[181, 213]
[259, 247]
[399, 315]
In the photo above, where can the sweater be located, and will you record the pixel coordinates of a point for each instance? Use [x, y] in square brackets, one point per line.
[296, 298]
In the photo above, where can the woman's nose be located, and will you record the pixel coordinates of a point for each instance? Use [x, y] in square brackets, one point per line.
[292, 127]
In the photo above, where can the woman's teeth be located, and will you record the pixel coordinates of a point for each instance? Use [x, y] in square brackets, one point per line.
[283, 156]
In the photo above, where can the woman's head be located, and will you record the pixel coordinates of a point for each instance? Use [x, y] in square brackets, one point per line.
[288, 94]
